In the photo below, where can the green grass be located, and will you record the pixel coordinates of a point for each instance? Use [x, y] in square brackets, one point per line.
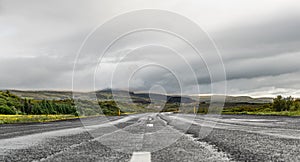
[9, 119]
[280, 113]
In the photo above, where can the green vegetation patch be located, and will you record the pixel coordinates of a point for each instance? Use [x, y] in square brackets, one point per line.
[11, 104]
[281, 106]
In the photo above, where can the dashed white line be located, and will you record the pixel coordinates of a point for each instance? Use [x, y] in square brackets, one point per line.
[141, 157]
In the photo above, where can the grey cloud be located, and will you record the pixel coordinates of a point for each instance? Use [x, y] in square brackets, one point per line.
[276, 35]
[43, 41]
[251, 68]
[38, 72]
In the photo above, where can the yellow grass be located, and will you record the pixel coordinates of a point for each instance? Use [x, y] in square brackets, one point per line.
[8, 119]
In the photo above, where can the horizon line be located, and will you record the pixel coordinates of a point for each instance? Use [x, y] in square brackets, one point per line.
[183, 94]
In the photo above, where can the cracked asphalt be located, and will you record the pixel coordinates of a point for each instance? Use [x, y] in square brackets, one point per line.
[166, 137]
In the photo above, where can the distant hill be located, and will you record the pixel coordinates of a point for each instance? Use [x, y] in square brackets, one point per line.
[248, 99]
[40, 95]
[88, 102]
[143, 98]
[236, 99]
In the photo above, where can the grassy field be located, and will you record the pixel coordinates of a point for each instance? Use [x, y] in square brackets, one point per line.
[280, 113]
[9, 119]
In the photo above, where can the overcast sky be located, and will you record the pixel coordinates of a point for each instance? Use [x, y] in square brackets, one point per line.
[258, 40]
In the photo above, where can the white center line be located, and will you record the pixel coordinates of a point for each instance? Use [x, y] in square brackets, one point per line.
[149, 125]
[141, 157]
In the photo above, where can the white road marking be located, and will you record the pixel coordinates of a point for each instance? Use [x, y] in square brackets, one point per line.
[141, 157]
[149, 125]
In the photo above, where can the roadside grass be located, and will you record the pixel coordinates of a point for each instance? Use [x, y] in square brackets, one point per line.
[279, 113]
[10, 119]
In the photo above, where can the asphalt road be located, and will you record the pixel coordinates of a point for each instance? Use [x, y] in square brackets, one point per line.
[154, 137]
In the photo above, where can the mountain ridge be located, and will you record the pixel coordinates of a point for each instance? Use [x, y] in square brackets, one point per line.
[107, 94]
